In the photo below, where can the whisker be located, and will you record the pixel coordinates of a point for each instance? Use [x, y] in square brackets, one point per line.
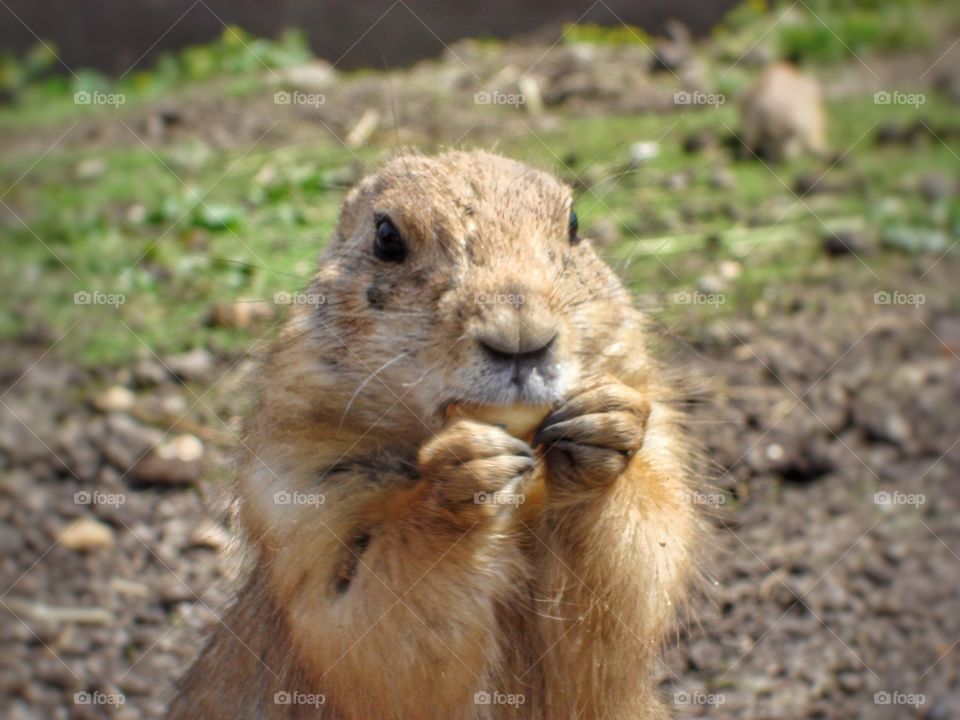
[368, 379]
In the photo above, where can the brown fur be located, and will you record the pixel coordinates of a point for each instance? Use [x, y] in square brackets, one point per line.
[400, 597]
[783, 115]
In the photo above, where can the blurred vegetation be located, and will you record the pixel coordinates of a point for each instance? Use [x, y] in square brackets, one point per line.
[183, 226]
[826, 31]
[593, 34]
[37, 80]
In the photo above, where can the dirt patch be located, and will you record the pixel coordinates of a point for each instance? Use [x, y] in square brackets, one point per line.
[833, 446]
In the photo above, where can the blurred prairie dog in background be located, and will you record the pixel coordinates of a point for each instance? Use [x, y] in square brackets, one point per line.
[782, 114]
[453, 570]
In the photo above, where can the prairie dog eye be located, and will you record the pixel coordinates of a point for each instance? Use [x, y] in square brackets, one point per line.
[574, 228]
[388, 243]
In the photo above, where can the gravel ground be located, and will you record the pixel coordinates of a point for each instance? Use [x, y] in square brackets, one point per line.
[833, 576]
[836, 592]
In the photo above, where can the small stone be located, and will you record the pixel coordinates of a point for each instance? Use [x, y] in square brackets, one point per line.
[775, 452]
[115, 399]
[11, 541]
[87, 534]
[90, 168]
[677, 181]
[364, 129]
[314, 75]
[937, 186]
[193, 365]
[240, 315]
[131, 588]
[186, 448]
[604, 232]
[174, 405]
[889, 134]
[698, 141]
[809, 183]
[722, 179]
[729, 270]
[127, 440]
[711, 285]
[154, 470]
[896, 552]
[530, 92]
[893, 428]
[642, 151]
[149, 372]
[136, 214]
[851, 682]
[843, 242]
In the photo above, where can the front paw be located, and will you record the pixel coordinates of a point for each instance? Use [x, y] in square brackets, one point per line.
[589, 440]
[473, 468]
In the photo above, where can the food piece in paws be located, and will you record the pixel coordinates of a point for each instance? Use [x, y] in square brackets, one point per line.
[520, 419]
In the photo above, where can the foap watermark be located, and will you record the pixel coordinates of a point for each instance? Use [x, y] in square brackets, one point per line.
[683, 697]
[95, 497]
[514, 299]
[95, 297]
[284, 697]
[886, 697]
[299, 298]
[685, 97]
[295, 497]
[899, 298]
[96, 697]
[685, 297]
[93, 97]
[899, 498]
[698, 497]
[883, 97]
[498, 698]
[283, 97]
[484, 97]
[499, 498]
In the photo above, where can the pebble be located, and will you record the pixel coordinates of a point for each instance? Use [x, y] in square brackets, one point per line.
[11, 540]
[642, 151]
[698, 141]
[310, 76]
[186, 448]
[87, 534]
[148, 372]
[193, 365]
[154, 470]
[604, 232]
[937, 186]
[241, 314]
[90, 168]
[895, 552]
[115, 399]
[127, 440]
[722, 179]
[843, 242]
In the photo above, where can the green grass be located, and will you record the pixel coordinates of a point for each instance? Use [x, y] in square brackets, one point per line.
[191, 226]
[172, 240]
[833, 31]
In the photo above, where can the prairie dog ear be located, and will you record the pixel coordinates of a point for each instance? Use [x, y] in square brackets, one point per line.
[520, 420]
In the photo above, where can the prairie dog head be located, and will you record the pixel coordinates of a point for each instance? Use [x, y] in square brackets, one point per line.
[459, 279]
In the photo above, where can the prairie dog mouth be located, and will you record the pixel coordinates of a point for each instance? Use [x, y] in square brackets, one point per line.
[518, 419]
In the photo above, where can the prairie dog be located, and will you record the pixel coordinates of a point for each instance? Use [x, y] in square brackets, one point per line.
[782, 114]
[412, 563]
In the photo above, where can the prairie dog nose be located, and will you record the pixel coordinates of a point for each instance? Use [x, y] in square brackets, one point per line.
[515, 332]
